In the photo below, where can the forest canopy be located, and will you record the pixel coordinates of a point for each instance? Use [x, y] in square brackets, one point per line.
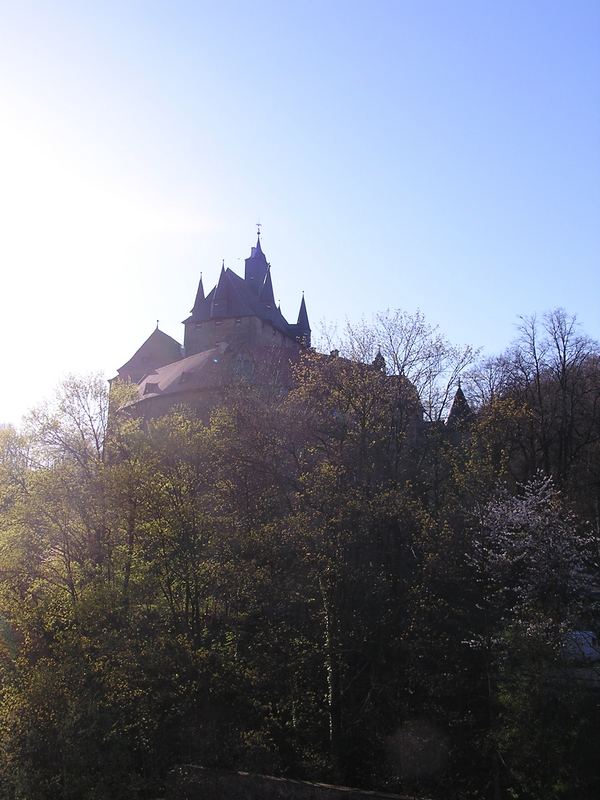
[347, 582]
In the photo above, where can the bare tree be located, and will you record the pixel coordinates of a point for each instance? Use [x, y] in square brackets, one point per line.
[413, 349]
[552, 370]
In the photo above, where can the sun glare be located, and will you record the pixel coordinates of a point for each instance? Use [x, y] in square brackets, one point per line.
[71, 228]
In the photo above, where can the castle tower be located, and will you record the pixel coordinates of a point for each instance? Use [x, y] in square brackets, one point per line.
[460, 411]
[256, 267]
[242, 311]
[303, 326]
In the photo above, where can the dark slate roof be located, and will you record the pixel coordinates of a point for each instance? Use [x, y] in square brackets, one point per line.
[256, 267]
[230, 297]
[266, 290]
[216, 368]
[199, 296]
[460, 409]
[303, 317]
[235, 297]
[379, 361]
[200, 370]
[158, 349]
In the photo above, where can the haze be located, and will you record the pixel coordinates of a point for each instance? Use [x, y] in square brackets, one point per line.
[441, 156]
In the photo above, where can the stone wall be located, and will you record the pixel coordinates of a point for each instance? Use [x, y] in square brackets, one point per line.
[200, 336]
[197, 783]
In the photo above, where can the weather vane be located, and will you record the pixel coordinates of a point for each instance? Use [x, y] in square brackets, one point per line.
[258, 227]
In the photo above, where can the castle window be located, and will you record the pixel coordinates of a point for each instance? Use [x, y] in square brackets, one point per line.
[238, 321]
[218, 322]
[198, 326]
[151, 388]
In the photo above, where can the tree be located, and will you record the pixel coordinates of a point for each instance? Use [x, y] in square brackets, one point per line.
[553, 372]
[414, 350]
[532, 561]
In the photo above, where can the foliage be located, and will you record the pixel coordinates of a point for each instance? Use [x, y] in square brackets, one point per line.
[319, 585]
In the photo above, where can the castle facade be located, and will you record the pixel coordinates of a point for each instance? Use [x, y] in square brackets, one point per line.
[236, 330]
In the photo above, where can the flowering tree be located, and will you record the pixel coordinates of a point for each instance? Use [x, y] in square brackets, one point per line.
[534, 563]
[533, 553]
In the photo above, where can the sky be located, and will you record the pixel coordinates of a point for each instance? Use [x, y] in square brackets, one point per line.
[440, 156]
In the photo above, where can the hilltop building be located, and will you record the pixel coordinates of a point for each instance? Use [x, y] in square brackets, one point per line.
[236, 330]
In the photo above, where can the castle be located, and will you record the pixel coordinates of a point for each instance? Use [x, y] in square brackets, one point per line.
[236, 330]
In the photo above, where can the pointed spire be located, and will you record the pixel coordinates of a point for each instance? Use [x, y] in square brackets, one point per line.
[256, 267]
[379, 361]
[303, 316]
[258, 247]
[303, 325]
[460, 410]
[218, 292]
[199, 296]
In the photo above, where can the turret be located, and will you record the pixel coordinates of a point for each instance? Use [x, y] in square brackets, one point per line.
[217, 306]
[379, 361]
[303, 326]
[460, 411]
[200, 298]
[256, 267]
[242, 309]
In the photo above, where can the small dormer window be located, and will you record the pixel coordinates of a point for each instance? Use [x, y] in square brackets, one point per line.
[198, 326]
[238, 321]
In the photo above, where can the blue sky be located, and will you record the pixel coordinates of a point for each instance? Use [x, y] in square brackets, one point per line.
[435, 155]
